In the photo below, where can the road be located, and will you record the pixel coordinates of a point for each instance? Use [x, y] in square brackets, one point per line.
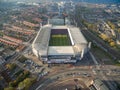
[82, 67]
[102, 74]
[115, 54]
[79, 72]
[64, 74]
[53, 77]
[76, 19]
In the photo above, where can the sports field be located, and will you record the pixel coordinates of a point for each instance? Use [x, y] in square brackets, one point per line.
[59, 40]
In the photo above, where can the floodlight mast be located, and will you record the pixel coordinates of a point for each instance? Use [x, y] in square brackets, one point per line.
[64, 17]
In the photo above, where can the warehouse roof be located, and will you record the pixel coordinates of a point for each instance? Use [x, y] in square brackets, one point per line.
[99, 85]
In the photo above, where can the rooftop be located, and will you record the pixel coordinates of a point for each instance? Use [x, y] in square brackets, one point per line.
[77, 35]
[42, 40]
[99, 84]
[60, 50]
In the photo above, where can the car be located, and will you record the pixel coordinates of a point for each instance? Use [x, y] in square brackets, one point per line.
[84, 73]
[24, 65]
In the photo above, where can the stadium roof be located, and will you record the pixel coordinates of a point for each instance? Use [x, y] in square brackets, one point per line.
[59, 27]
[58, 21]
[42, 40]
[60, 50]
[77, 36]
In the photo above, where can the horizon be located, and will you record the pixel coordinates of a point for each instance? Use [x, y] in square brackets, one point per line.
[88, 1]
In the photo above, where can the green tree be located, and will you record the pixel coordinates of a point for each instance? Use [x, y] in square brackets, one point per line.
[22, 59]
[112, 44]
[104, 37]
[21, 85]
[111, 25]
[11, 66]
[9, 88]
[27, 81]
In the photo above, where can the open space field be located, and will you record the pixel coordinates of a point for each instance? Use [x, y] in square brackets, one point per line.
[59, 40]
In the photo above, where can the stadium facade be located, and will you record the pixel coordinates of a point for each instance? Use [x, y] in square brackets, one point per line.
[59, 44]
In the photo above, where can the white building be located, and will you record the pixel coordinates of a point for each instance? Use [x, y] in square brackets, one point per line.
[60, 54]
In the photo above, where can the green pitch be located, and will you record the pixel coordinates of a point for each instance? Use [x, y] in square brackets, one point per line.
[59, 40]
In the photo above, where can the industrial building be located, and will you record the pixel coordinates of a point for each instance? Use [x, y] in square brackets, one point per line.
[97, 84]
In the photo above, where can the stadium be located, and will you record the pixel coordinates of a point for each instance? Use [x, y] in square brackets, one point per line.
[59, 44]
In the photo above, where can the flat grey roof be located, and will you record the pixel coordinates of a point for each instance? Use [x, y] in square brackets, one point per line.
[99, 84]
[42, 40]
[77, 35]
[60, 50]
[56, 21]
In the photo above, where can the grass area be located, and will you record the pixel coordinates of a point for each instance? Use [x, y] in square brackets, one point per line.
[117, 62]
[22, 59]
[100, 54]
[59, 40]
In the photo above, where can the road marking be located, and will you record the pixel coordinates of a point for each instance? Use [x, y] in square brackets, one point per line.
[39, 87]
[93, 58]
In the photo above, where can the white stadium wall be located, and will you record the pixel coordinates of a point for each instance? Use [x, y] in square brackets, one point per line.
[79, 47]
[70, 36]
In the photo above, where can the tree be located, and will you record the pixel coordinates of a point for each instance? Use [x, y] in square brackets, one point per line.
[13, 83]
[110, 40]
[111, 25]
[11, 66]
[104, 37]
[27, 81]
[119, 30]
[22, 59]
[21, 85]
[112, 44]
[9, 88]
